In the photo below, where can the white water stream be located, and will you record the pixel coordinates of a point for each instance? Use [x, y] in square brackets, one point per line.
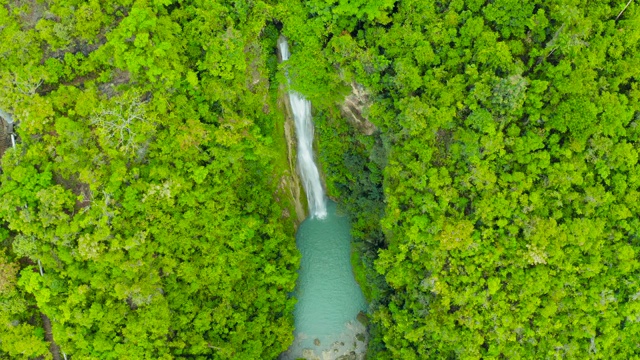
[5, 115]
[309, 173]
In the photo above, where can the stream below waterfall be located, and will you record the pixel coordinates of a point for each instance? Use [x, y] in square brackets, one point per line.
[329, 298]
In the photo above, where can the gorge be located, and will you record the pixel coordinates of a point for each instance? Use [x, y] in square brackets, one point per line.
[329, 298]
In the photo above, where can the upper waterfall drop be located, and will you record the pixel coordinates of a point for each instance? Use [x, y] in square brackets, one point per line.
[309, 173]
[9, 121]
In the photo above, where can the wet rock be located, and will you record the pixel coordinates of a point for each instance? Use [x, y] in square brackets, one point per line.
[316, 342]
[291, 180]
[5, 136]
[308, 354]
[363, 318]
[360, 337]
[349, 356]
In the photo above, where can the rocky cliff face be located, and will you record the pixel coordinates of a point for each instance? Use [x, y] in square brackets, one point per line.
[354, 109]
[5, 140]
[291, 180]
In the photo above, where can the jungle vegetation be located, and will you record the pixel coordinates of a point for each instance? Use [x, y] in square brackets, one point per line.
[146, 150]
[495, 209]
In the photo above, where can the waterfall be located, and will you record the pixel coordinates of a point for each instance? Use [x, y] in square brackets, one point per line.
[301, 109]
[7, 117]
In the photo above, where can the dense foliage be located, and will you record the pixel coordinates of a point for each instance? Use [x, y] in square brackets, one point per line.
[511, 185]
[495, 209]
[143, 183]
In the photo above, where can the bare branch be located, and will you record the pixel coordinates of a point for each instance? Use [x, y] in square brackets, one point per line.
[119, 124]
[28, 86]
[625, 8]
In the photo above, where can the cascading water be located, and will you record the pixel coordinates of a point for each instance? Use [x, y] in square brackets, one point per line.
[309, 173]
[329, 298]
[7, 117]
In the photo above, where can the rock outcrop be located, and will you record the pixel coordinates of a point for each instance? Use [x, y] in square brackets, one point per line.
[350, 345]
[6, 129]
[354, 109]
